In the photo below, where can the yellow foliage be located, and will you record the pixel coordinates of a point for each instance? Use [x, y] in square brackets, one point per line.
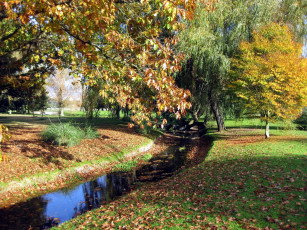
[270, 73]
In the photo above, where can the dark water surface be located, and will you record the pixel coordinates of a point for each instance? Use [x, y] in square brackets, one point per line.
[51, 209]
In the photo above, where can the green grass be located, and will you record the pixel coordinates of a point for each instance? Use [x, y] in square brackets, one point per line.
[29, 120]
[129, 165]
[254, 123]
[125, 166]
[245, 182]
[68, 134]
[101, 114]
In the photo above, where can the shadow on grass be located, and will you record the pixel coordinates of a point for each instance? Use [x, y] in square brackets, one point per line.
[47, 152]
[13, 121]
[47, 120]
[28, 122]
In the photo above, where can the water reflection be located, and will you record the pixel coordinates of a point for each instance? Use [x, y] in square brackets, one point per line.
[51, 209]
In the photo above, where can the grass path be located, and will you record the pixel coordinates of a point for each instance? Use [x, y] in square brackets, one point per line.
[246, 182]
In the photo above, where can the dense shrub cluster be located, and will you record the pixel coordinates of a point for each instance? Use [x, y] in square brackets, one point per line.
[68, 134]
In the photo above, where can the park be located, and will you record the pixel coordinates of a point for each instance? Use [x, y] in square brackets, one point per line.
[153, 114]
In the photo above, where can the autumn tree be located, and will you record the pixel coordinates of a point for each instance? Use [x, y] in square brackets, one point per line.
[24, 48]
[28, 53]
[118, 42]
[270, 74]
[92, 102]
[212, 38]
[209, 42]
[27, 50]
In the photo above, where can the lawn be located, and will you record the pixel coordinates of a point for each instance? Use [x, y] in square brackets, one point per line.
[245, 182]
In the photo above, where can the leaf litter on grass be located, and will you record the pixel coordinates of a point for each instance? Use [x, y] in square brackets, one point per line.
[29, 156]
[238, 187]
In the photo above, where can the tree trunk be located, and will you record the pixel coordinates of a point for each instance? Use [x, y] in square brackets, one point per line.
[118, 112]
[195, 115]
[217, 111]
[126, 113]
[61, 112]
[218, 116]
[206, 118]
[267, 129]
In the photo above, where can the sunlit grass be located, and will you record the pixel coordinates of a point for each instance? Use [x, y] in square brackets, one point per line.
[246, 181]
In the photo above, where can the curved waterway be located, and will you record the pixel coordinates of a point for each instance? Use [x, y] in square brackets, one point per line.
[57, 207]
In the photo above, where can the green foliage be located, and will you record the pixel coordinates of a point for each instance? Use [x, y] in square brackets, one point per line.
[90, 132]
[131, 164]
[209, 42]
[68, 134]
[302, 120]
[43, 100]
[146, 157]
[212, 39]
[125, 166]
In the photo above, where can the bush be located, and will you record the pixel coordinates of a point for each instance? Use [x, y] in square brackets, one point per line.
[302, 120]
[67, 134]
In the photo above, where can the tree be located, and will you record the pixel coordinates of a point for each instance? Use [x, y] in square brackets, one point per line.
[19, 93]
[27, 51]
[212, 38]
[42, 101]
[119, 42]
[27, 55]
[270, 74]
[62, 86]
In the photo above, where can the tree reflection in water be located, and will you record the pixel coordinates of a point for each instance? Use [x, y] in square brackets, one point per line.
[101, 191]
[51, 209]
[26, 214]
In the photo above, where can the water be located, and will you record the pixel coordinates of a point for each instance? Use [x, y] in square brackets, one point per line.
[54, 208]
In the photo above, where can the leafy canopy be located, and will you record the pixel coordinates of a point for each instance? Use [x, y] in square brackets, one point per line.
[212, 38]
[119, 42]
[270, 74]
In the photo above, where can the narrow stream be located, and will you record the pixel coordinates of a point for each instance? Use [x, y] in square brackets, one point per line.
[54, 208]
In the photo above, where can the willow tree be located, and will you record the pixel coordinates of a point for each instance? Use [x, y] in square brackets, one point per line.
[270, 74]
[211, 40]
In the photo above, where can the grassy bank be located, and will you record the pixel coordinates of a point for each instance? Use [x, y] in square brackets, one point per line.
[35, 167]
[245, 182]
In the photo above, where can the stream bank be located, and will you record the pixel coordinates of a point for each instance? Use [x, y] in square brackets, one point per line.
[46, 211]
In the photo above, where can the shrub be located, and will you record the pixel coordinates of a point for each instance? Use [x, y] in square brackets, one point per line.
[67, 134]
[302, 120]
